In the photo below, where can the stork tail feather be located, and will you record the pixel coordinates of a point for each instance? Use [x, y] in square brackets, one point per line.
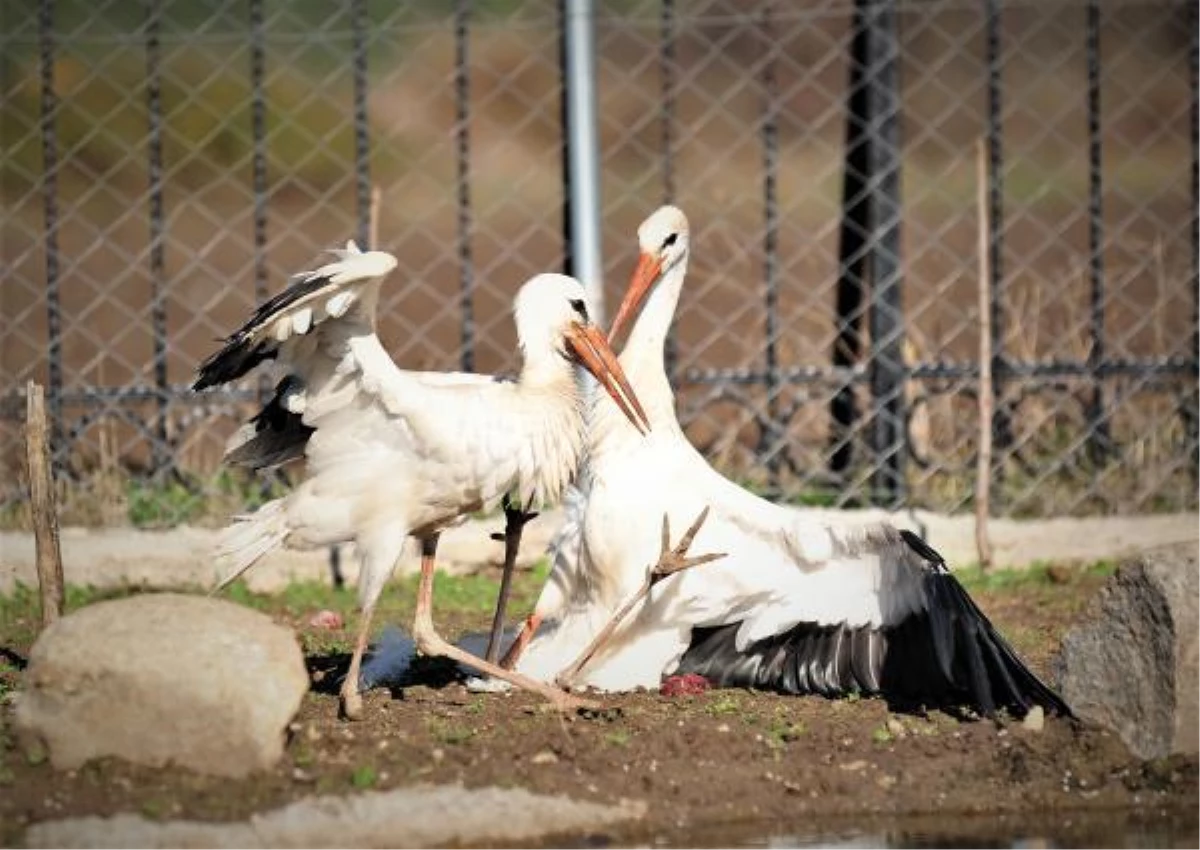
[249, 538]
[948, 656]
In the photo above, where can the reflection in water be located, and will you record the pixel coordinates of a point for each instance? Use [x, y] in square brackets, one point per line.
[1067, 828]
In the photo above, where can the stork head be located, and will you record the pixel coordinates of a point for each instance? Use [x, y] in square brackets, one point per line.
[662, 245]
[553, 315]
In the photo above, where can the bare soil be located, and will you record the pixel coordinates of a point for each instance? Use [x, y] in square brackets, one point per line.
[714, 767]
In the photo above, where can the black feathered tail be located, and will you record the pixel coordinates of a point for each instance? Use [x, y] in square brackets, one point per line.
[947, 656]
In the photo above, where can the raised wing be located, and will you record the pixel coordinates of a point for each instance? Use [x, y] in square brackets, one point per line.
[346, 291]
[320, 332]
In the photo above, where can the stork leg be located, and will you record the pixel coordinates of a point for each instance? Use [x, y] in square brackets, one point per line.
[515, 518]
[431, 643]
[509, 661]
[351, 698]
[670, 561]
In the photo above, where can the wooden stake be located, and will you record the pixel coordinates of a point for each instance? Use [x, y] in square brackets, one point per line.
[42, 504]
[983, 468]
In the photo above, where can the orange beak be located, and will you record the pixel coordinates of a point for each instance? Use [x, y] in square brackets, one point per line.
[598, 358]
[647, 272]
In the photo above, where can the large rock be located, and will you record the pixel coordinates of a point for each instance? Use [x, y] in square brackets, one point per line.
[163, 678]
[1131, 664]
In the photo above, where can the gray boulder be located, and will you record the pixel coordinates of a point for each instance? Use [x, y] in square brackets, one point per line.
[1131, 664]
[163, 678]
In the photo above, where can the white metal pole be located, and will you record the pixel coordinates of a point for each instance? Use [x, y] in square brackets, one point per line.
[583, 149]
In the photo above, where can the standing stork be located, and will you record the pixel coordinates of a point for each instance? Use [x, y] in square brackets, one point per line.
[795, 606]
[391, 453]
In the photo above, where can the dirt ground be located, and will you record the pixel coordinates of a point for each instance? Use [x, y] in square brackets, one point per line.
[718, 767]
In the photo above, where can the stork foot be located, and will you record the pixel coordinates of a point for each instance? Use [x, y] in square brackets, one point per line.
[351, 707]
[430, 642]
[675, 559]
[671, 560]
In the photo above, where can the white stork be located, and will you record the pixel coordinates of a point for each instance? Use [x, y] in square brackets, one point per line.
[795, 605]
[391, 453]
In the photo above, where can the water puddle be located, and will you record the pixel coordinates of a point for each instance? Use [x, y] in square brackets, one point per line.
[1068, 828]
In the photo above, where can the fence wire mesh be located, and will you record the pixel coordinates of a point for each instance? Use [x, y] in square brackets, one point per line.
[167, 164]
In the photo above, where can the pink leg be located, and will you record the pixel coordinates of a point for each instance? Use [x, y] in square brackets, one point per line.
[352, 705]
[431, 643]
[510, 659]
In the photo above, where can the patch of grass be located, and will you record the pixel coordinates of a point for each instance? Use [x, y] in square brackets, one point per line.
[1037, 574]
[618, 737]
[364, 776]
[110, 495]
[445, 732]
[724, 703]
[882, 735]
[35, 754]
[782, 732]
[153, 808]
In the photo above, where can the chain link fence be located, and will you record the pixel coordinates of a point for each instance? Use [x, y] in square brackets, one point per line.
[167, 164]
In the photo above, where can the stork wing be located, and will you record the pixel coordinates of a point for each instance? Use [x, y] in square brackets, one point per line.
[321, 332]
[345, 291]
[884, 616]
[337, 376]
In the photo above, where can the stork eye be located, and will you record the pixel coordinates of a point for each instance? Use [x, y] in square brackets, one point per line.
[670, 240]
[578, 305]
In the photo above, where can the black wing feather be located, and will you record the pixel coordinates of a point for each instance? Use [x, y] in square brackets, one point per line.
[947, 656]
[242, 352]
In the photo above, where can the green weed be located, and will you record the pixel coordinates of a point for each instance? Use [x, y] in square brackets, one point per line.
[618, 737]
[724, 703]
[364, 776]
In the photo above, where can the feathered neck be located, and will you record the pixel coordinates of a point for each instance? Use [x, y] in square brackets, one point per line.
[644, 352]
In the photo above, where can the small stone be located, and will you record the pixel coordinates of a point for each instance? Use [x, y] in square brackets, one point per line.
[896, 728]
[438, 754]
[885, 780]
[857, 764]
[544, 757]
[1035, 720]
[724, 727]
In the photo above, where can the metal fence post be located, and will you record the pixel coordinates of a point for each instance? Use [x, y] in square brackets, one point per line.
[1099, 432]
[852, 236]
[582, 187]
[1001, 423]
[666, 61]
[162, 459]
[258, 132]
[462, 138]
[772, 437]
[48, 130]
[1191, 406]
[359, 23]
[888, 372]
